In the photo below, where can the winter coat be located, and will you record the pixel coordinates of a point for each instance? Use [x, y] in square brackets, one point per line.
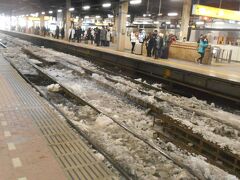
[72, 33]
[159, 42]
[203, 44]
[133, 37]
[103, 34]
[108, 36]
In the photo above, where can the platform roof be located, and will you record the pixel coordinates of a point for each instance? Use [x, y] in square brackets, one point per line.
[31, 6]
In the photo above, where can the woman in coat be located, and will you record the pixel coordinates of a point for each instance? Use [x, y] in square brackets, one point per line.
[203, 44]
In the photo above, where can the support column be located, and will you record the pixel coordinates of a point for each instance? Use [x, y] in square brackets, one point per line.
[42, 24]
[187, 4]
[121, 30]
[68, 18]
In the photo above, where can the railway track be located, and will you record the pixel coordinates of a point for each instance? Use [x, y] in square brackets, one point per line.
[215, 154]
[143, 89]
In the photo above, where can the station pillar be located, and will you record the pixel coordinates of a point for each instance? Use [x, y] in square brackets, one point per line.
[187, 5]
[121, 24]
[42, 23]
[68, 18]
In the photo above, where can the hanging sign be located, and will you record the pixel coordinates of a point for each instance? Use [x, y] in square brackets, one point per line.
[219, 13]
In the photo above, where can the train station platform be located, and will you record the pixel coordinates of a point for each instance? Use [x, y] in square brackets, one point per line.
[36, 141]
[218, 79]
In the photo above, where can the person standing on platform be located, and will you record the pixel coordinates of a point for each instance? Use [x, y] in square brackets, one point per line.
[62, 33]
[133, 40]
[203, 44]
[108, 39]
[103, 35]
[57, 32]
[71, 34]
[78, 34]
[150, 45]
[158, 46]
[141, 38]
[97, 36]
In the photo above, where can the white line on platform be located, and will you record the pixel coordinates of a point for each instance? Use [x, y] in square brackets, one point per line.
[22, 178]
[7, 134]
[11, 146]
[4, 123]
[16, 162]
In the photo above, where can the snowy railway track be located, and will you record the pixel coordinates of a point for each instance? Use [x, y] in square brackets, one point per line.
[120, 124]
[215, 154]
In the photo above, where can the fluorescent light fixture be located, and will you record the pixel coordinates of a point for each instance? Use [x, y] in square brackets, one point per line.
[232, 22]
[219, 22]
[86, 17]
[43, 13]
[71, 9]
[149, 15]
[144, 15]
[50, 12]
[168, 22]
[128, 15]
[106, 5]
[98, 17]
[156, 22]
[86, 7]
[77, 17]
[59, 10]
[199, 22]
[135, 1]
[172, 14]
[110, 16]
[160, 14]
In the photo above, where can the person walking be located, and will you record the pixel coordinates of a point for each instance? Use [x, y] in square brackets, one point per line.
[133, 40]
[203, 44]
[62, 33]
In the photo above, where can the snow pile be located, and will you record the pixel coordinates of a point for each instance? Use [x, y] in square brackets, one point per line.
[54, 88]
[206, 170]
[103, 121]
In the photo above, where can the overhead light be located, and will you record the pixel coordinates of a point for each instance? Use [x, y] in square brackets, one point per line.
[36, 14]
[77, 17]
[98, 17]
[86, 7]
[71, 9]
[199, 22]
[168, 22]
[43, 13]
[86, 17]
[106, 5]
[59, 10]
[149, 15]
[110, 16]
[172, 14]
[159, 14]
[232, 22]
[135, 1]
[50, 12]
[144, 15]
[156, 22]
[27, 15]
[128, 15]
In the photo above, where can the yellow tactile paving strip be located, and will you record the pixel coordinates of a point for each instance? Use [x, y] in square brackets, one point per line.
[35, 143]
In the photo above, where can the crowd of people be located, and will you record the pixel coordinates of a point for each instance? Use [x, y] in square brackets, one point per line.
[100, 37]
[157, 44]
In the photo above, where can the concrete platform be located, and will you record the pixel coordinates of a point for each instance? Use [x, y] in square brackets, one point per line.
[35, 141]
[221, 80]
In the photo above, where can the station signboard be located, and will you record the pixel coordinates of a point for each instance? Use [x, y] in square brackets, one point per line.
[201, 10]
